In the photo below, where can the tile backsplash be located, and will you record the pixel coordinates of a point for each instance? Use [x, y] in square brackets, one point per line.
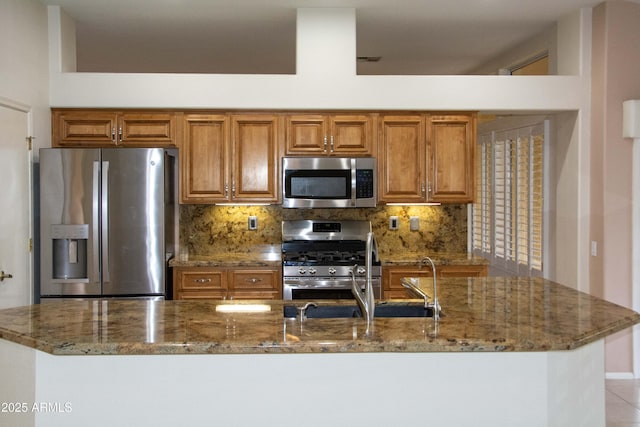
[212, 229]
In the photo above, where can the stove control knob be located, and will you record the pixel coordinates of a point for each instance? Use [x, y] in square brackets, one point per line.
[361, 270]
[312, 271]
[332, 270]
[302, 271]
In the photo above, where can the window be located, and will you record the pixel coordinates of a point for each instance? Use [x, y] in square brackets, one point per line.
[507, 218]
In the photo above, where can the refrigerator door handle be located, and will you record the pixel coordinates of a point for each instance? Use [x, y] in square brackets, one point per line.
[105, 222]
[95, 221]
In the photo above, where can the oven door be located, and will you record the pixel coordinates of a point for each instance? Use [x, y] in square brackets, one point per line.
[318, 288]
[322, 188]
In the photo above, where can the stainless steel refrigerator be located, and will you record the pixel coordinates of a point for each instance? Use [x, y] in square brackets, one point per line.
[107, 221]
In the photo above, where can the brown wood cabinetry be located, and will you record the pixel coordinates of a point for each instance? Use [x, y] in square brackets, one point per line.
[230, 158]
[391, 276]
[330, 135]
[108, 128]
[402, 159]
[451, 158]
[426, 158]
[226, 283]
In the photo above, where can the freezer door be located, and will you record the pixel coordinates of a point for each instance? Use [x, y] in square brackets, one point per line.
[133, 221]
[69, 222]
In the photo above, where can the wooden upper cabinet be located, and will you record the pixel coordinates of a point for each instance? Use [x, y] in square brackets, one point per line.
[330, 135]
[426, 158]
[204, 166]
[83, 128]
[104, 128]
[148, 129]
[401, 159]
[451, 158]
[230, 158]
[256, 153]
[306, 135]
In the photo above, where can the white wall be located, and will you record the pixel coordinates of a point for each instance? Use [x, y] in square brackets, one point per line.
[24, 62]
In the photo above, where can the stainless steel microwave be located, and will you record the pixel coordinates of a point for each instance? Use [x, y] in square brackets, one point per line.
[328, 182]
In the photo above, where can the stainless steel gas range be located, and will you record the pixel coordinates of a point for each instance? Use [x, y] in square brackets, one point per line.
[318, 257]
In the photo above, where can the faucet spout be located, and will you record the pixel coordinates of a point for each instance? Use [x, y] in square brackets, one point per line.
[436, 304]
[366, 298]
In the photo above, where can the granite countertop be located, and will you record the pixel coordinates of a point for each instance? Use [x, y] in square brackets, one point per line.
[407, 258]
[270, 256]
[486, 314]
[262, 256]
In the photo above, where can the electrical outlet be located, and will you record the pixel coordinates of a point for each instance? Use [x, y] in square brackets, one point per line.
[253, 223]
[393, 223]
[414, 223]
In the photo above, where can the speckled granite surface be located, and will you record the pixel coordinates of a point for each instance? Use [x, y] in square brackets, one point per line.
[208, 229]
[438, 258]
[258, 256]
[270, 256]
[480, 314]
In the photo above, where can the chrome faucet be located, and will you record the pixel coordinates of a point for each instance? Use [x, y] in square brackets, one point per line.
[412, 287]
[366, 298]
[303, 310]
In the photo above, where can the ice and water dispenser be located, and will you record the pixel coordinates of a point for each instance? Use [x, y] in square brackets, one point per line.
[69, 252]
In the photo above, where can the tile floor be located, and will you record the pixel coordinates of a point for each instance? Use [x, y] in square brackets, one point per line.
[623, 403]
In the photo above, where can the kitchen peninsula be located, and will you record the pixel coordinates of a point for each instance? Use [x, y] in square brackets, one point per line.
[508, 351]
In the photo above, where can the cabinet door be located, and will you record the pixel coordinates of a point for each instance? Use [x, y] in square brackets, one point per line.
[255, 283]
[148, 130]
[391, 286]
[92, 128]
[401, 159]
[256, 142]
[451, 156]
[306, 134]
[204, 159]
[199, 283]
[351, 135]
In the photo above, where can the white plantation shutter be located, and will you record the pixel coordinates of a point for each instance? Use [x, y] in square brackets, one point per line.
[507, 224]
[481, 227]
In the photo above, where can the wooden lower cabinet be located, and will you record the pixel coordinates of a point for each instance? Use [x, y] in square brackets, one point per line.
[226, 283]
[391, 276]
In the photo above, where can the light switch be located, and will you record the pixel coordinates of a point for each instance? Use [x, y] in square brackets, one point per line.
[253, 223]
[414, 223]
[393, 223]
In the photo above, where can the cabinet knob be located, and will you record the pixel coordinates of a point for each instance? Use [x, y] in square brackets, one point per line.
[253, 280]
[324, 149]
[203, 280]
[331, 146]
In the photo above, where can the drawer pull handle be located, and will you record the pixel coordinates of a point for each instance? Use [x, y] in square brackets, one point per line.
[202, 280]
[253, 280]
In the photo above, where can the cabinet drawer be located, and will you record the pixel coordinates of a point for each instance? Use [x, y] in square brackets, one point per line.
[254, 280]
[194, 280]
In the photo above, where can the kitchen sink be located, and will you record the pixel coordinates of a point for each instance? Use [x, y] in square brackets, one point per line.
[383, 309]
[324, 311]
